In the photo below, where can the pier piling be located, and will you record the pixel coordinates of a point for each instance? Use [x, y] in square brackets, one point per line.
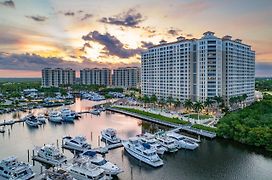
[33, 156]
[28, 155]
[98, 141]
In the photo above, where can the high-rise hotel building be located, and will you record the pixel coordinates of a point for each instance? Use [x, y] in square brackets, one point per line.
[58, 76]
[126, 77]
[199, 68]
[95, 76]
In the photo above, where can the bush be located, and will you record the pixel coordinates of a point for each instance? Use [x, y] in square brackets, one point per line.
[206, 128]
[251, 125]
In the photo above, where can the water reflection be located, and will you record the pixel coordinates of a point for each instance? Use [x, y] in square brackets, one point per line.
[218, 159]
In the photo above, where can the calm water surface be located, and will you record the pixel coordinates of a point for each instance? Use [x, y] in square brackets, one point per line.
[217, 159]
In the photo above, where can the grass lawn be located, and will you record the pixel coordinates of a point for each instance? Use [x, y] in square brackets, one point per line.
[201, 116]
[206, 128]
[152, 115]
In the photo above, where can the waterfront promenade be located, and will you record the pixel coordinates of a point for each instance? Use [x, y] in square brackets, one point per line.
[187, 128]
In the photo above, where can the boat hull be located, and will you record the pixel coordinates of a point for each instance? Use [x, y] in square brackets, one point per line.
[107, 139]
[55, 120]
[184, 145]
[32, 124]
[49, 161]
[147, 161]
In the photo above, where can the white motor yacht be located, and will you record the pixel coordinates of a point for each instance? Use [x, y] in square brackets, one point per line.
[82, 169]
[67, 115]
[10, 168]
[95, 112]
[78, 143]
[50, 154]
[108, 167]
[32, 121]
[151, 140]
[182, 142]
[168, 143]
[55, 117]
[142, 152]
[41, 118]
[110, 136]
[57, 174]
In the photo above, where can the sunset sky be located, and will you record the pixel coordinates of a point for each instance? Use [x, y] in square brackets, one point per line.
[104, 33]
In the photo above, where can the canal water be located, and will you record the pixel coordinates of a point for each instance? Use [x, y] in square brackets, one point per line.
[213, 160]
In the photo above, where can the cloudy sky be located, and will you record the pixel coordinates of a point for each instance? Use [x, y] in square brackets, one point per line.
[104, 33]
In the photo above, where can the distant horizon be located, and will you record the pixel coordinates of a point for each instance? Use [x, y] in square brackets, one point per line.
[37, 34]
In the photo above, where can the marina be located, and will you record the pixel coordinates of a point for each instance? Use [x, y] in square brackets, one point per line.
[182, 164]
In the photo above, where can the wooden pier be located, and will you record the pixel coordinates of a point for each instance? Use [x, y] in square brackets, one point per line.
[7, 123]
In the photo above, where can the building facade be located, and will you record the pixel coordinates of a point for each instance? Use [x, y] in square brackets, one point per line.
[238, 69]
[95, 76]
[199, 68]
[58, 76]
[126, 77]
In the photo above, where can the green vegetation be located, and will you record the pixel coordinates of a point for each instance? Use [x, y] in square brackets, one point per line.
[201, 116]
[263, 85]
[206, 128]
[107, 90]
[18, 87]
[152, 115]
[251, 125]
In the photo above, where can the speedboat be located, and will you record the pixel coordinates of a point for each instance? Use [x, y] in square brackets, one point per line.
[151, 140]
[50, 154]
[78, 143]
[142, 152]
[95, 112]
[182, 142]
[108, 167]
[168, 143]
[55, 116]
[10, 168]
[110, 136]
[41, 118]
[67, 115]
[32, 121]
[57, 174]
[82, 169]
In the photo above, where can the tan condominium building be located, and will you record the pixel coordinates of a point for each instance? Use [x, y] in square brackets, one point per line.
[126, 77]
[58, 76]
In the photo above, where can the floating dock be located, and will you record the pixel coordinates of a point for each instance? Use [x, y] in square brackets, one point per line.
[8, 123]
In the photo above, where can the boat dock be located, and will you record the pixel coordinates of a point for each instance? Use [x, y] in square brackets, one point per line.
[8, 123]
[177, 127]
[103, 150]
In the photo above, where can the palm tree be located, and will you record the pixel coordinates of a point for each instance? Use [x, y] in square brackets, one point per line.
[170, 100]
[198, 106]
[219, 100]
[208, 103]
[177, 103]
[146, 99]
[188, 104]
[153, 99]
[162, 103]
[244, 97]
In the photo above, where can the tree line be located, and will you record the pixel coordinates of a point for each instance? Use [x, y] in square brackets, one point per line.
[251, 125]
